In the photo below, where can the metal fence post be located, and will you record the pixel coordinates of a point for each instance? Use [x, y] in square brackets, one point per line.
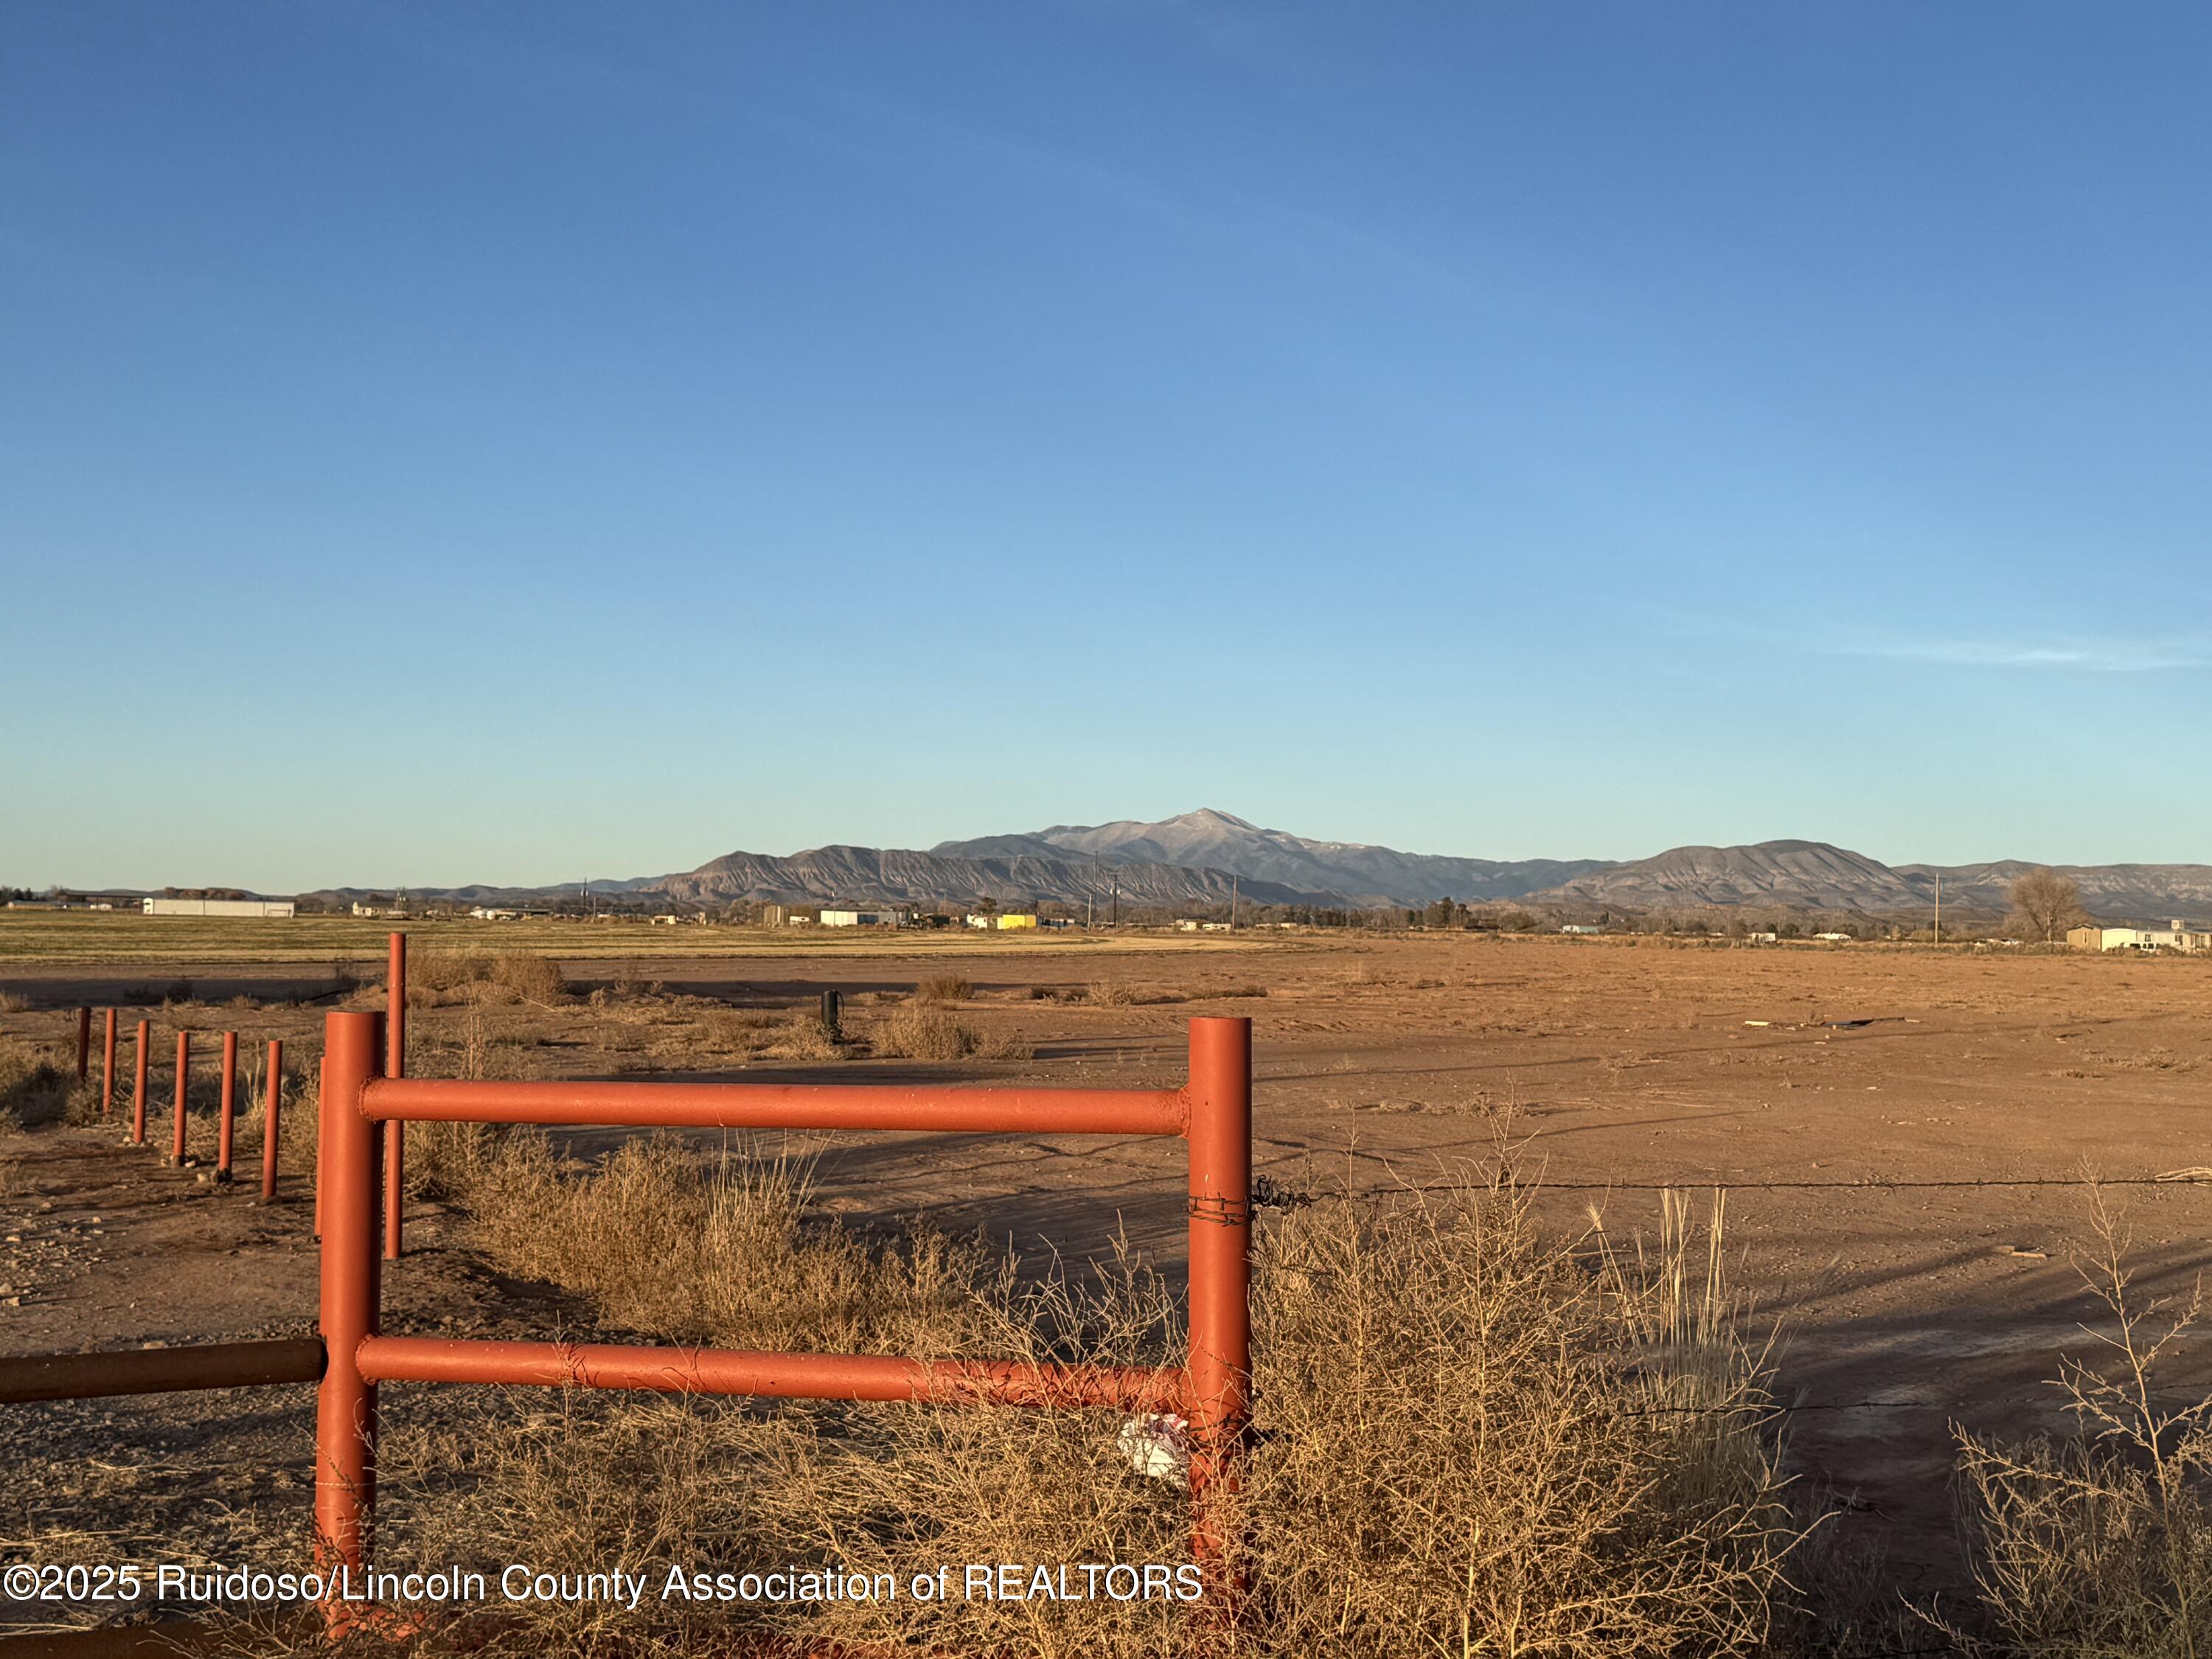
[345, 1406]
[138, 1090]
[395, 1065]
[229, 1106]
[107, 1067]
[268, 1135]
[184, 1070]
[1221, 1275]
[83, 1043]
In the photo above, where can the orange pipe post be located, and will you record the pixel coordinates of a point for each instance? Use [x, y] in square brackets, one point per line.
[269, 1123]
[229, 1105]
[1220, 1270]
[107, 1067]
[395, 1065]
[184, 1070]
[83, 1043]
[138, 1089]
[345, 1406]
[322, 1134]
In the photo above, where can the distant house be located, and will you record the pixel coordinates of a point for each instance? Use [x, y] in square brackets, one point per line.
[1581, 927]
[213, 906]
[493, 913]
[1833, 938]
[1008, 921]
[2176, 935]
[982, 920]
[1185, 924]
[888, 916]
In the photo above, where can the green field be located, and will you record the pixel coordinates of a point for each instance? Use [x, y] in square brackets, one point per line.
[95, 936]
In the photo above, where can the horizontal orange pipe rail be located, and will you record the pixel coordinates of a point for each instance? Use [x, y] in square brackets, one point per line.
[784, 1376]
[782, 1106]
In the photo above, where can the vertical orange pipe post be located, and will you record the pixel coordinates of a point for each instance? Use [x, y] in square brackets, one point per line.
[107, 1067]
[83, 1043]
[184, 1070]
[138, 1090]
[229, 1105]
[395, 1065]
[269, 1136]
[1220, 1091]
[345, 1403]
[322, 1134]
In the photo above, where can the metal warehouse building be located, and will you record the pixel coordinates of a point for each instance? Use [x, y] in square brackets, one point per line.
[204, 907]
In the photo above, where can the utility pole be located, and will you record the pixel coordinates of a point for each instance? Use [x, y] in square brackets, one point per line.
[1939, 909]
[1232, 903]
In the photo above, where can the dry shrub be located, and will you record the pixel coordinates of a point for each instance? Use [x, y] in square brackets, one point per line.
[943, 987]
[430, 974]
[2100, 1546]
[714, 1251]
[33, 1089]
[1004, 1045]
[1110, 993]
[14, 1002]
[1569, 1465]
[1467, 1441]
[917, 1031]
[802, 1036]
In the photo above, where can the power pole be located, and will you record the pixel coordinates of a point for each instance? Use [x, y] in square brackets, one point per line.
[1232, 904]
[1939, 909]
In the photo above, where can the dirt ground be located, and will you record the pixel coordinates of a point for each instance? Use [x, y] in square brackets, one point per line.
[1797, 1078]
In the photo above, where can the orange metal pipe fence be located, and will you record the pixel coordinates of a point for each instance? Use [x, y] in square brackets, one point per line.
[1213, 1112]
[107, 1067]
[268, 1135]
[138, 1094]
[395, 1065]
[184, 1071]
[229, 1105]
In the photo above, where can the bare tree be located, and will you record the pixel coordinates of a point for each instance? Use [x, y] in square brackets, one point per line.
[2045, 904]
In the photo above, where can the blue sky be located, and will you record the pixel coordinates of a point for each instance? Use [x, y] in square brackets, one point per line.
[517, 441]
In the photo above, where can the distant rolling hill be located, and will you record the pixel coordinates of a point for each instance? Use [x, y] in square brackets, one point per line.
[1813, 875]
[1201, 858]
[1213, 839]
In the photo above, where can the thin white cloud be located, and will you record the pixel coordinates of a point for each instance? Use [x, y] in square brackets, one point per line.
[2089, 656]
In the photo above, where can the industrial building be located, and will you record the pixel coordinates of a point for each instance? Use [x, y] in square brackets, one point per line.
[881, 916]
[215, 906]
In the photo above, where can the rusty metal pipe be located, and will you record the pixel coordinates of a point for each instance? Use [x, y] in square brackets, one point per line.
[269, 1134]
[107, 1067]
[138, 1090]
[395, 1065]
[783, 1106]
[345, 1408]
[159, 1370]
[782, 1375]
[1220, 1272]
[229, 1120]
[184, 1074]
[83, 1043]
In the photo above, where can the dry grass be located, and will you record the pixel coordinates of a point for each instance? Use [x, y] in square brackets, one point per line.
[916, 1031]
[664, 1242]
[12, 1002]
[1469, 1441]
[2100, 1547]
[943, 987]
[32, 1089]
[434, 977]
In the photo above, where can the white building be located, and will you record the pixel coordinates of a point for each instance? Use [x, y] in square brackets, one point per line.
[882, 916]
[2176, 935]
[187, 906]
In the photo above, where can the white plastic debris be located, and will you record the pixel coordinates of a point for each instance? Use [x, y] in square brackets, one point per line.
[1157, 1446]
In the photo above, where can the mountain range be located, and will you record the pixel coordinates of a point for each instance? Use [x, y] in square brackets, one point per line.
[1204, 857]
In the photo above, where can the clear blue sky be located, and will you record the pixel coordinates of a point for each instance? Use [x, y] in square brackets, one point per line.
[517, 441]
